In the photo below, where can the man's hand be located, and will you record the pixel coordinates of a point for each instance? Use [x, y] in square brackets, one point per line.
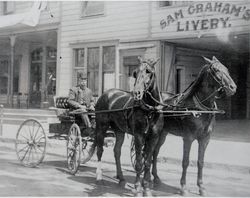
[83, 107]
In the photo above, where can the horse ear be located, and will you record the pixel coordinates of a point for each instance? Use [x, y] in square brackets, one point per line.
[207, 60]
[140, 59]
[155, 62]
[215, 59]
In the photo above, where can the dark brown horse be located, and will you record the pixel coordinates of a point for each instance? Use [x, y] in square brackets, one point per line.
[213, 82]
[133, 117]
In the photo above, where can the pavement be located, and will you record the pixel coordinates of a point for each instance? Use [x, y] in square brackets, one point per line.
[228, 149]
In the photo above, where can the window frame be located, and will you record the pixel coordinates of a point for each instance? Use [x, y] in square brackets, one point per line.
[5, 6]
[173, 5]
[85, 46]
[85, 16]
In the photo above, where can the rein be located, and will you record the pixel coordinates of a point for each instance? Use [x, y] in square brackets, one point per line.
[198, 102]
[80, 111]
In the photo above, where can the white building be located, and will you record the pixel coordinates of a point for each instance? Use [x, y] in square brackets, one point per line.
[104, 39]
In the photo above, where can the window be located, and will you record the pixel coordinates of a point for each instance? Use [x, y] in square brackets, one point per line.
[8, 7]
[92, 8]
[93, 69]
[179, 79]
[163, 4]
[4, 75]
[91, 60]
[79, 65]
[108, 67]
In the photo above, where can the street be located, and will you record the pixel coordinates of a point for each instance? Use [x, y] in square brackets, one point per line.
[52, 179]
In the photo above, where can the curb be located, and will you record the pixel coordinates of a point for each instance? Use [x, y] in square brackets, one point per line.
[161, 159]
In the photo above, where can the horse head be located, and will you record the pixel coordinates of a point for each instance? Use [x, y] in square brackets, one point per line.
[222, 80]
[144, 78]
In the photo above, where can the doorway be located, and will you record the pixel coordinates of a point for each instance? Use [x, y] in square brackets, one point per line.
[130, 63]
[42, 77]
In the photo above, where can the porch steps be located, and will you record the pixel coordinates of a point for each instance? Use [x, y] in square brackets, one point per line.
[17, 116]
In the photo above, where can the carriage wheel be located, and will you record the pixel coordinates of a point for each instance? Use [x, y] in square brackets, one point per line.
[133, 154]
[30, 143]
[74, 146]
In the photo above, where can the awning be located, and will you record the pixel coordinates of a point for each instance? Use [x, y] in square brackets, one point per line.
[30, 18]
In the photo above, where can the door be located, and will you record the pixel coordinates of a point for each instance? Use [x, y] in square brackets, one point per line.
[35, 85]
[130, 63]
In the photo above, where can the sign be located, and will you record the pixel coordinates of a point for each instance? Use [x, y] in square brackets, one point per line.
[205, 22]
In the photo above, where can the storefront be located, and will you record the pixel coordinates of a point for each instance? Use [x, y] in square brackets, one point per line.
[28, 53]
[34, 70]
[207, 29]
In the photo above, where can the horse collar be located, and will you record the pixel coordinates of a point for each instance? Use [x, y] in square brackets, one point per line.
[200, 105]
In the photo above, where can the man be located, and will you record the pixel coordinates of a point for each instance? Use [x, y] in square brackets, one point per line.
[81, 97]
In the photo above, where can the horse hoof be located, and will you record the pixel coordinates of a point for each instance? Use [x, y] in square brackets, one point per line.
[147, 193]
[100, 182]
[122, 183]
[157, 182]
[138, 194]
[183, 192]
[202, 192]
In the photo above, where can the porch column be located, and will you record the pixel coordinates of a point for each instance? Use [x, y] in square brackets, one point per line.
[11, 71]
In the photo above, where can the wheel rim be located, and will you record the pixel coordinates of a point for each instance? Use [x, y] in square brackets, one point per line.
[74, 146]
[30, 143]
[133, 154]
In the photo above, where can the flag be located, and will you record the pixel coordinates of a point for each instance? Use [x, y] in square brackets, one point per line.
[30, 18]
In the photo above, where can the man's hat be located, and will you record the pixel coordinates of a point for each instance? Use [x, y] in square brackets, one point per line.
[80, 75]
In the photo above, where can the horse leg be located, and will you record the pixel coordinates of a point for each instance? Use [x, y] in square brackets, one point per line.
[187, 142]
[150, 147]
[157, 180]
[117, 153]
[100, 131]
[203, 142]
[138, 164]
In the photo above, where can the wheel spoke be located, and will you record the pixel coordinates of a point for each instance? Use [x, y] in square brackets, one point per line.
[30, 132]
[37, 132]
[23, 148]
[25, 154]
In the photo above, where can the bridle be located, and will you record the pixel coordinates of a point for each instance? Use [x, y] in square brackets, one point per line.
[200, 103]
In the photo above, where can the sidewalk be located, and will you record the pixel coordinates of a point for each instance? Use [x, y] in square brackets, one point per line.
[228, 155]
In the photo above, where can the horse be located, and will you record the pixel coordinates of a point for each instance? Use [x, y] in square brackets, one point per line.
[129, 112]
[213, 82]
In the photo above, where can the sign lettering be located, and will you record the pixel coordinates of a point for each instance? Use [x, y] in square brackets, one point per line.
[200, 9]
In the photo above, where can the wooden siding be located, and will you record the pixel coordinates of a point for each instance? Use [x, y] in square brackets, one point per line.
[45, 18]
[238, 24]
[122, 20]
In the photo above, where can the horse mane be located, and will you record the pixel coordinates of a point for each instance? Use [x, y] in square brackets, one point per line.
[191, 89]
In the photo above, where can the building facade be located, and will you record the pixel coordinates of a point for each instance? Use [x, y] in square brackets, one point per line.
[104, 39]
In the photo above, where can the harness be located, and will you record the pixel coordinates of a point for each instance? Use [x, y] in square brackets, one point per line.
[199, 104]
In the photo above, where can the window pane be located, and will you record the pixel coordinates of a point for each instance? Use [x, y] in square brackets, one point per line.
[164, 3]
[51, 78]
[8, 7]
[93, 69]
[80, 54]
[108, 67]
[109, 58]
[16, 76]
[91, 8]
[4, 76]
